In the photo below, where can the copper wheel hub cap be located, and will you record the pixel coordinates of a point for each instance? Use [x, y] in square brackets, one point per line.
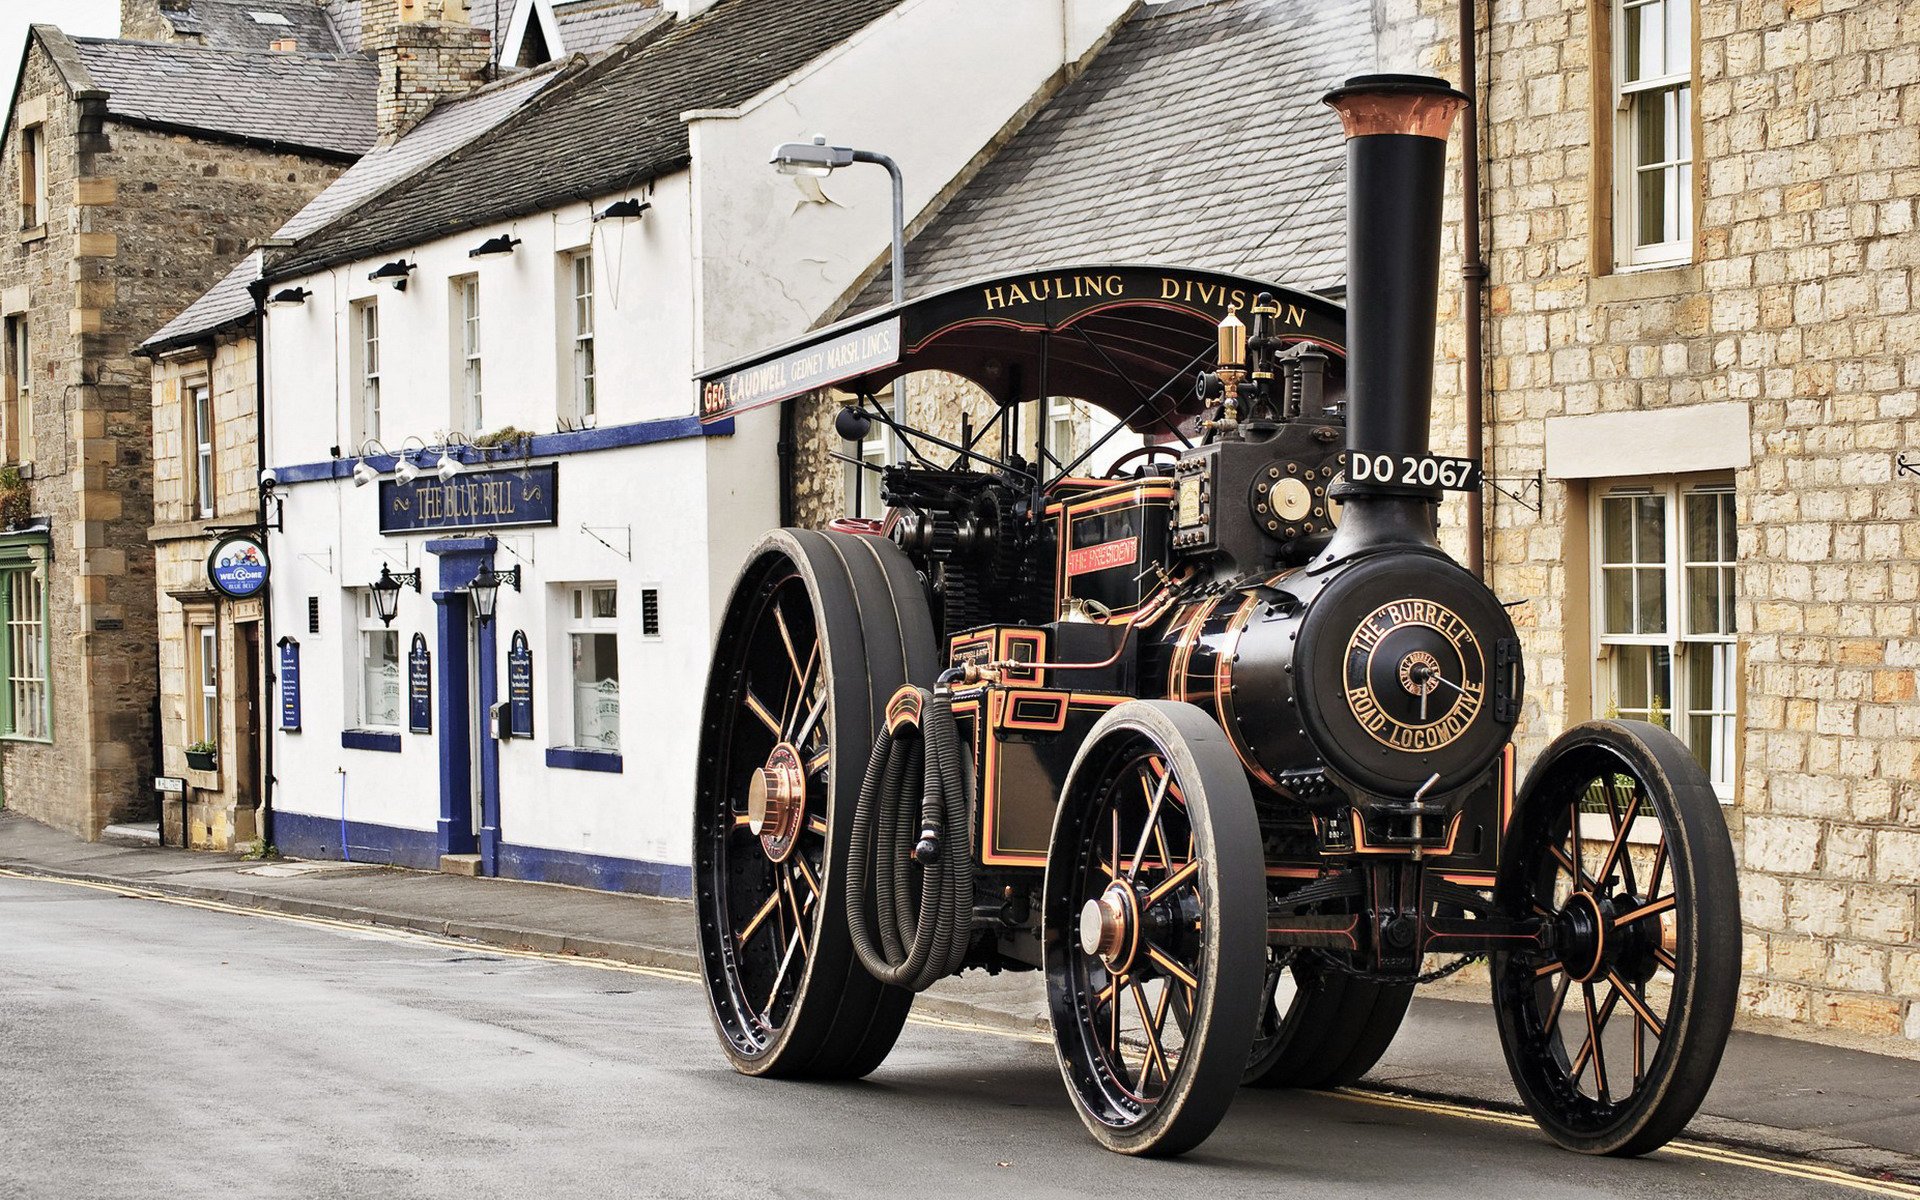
[1110, 926]
[777, 802]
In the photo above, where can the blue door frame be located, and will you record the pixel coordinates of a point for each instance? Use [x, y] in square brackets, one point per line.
[465, 704]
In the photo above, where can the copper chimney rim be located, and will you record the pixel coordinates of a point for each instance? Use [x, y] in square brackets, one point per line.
[1404, 104]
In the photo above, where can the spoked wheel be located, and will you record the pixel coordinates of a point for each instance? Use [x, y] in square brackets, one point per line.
[1154, 928]
[820, 630]
[1614, 1035]
[1320, 1028]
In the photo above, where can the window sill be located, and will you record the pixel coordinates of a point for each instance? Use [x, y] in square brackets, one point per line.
[383, 740]
[23, 739]
[203, 781]
[1628, 284]
[35, 233]
[570, 758]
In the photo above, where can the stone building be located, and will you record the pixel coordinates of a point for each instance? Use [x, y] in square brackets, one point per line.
[134, 173]
[1699, 384]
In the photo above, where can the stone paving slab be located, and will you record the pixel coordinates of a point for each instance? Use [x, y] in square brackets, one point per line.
[1847, 1107]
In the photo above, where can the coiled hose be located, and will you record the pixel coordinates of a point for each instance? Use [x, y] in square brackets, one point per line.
[909, 899]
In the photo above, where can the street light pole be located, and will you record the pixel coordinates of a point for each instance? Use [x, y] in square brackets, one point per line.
[818, 158]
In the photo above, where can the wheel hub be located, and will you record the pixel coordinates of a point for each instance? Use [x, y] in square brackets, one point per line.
[1585, 924]
[777, 802]
[1110, 926]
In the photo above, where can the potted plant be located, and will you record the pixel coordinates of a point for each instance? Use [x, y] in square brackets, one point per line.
[200, 755]
[16, 503]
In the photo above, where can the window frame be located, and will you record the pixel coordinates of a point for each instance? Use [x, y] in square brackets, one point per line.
[877, 449]
[1688, 650]
[202, 481]
[365, 341]
[577, 619]
[581, 347]
[203, 674]
[469, 379]
[33, 176]
[18, 434]
[1628, 97]
[368, 624]
[31, 693]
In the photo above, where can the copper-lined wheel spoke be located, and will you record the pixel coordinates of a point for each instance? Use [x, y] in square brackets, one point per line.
[1549, 968]
[1651, 908]
[817, 764]
[1578, 875]
[806, 876]
[1156, 1055]
[1665, 959]
[1188, 978]
[761, 711]
[758, 919]
[1643, 1015]
[1616, 851]
[1559, 1001]
[1173, 881]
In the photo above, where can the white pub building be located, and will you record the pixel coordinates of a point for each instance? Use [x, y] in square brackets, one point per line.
[504, 537]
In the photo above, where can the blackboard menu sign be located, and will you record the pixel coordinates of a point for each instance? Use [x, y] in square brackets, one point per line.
[290, 685]
[519, 687]
[420, 686]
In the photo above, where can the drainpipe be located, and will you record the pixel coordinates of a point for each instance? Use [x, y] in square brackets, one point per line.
[267, 704]
[1473, 277]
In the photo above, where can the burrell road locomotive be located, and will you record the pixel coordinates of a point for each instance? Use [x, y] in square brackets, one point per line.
[1220, 741]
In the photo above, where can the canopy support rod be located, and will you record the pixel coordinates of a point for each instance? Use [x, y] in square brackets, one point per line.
[1143, 407]
[1145, 401]
[902, 432]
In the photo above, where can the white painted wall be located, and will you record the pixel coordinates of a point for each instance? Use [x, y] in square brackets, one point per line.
[724, 263]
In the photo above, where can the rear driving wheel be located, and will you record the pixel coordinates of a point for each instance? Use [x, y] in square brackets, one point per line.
[814, 640]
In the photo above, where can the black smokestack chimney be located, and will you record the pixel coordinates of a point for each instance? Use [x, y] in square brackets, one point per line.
[1397, 128]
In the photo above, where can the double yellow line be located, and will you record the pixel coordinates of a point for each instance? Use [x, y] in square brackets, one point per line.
[1811, 1172]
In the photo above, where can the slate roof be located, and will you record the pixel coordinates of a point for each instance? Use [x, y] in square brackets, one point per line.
[448, 127]
[613, 126]
[1196, 138]
[319, 103]
[592, 27]
[232, 24]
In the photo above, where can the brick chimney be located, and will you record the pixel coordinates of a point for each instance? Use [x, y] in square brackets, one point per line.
[427, 51]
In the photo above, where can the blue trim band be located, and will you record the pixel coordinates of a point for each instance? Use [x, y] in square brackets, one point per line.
[536, 864]
[570, 758]
[303, 835]
[367, 739]
[543, 445]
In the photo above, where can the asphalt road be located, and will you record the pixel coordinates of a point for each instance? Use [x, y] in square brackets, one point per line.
[174, 1049]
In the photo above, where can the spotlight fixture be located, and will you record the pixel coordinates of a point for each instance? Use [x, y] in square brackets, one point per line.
[386, 592]
[395, 273]
[621, 210]
[494, 247]
[364, 473]
[292, 297]
[448, 467]
[405, 470]
[485, 590]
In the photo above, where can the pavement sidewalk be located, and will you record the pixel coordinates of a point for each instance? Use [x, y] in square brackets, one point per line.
[1849, 1108]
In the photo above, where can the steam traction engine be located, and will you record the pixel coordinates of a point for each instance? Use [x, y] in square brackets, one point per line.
[1220, 741]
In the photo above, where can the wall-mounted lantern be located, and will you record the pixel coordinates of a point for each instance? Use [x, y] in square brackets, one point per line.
[485, 590]
[386, 592]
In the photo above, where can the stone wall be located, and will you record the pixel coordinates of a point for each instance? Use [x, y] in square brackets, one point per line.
[141, 223]
[1798, 303]
[221, 804]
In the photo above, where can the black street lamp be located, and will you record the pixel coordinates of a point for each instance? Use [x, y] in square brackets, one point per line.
[485, 589]
[386, 592]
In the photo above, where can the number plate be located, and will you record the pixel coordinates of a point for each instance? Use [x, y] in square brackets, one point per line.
[1422, 471]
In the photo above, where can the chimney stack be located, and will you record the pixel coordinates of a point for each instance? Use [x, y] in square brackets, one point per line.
[427, 51]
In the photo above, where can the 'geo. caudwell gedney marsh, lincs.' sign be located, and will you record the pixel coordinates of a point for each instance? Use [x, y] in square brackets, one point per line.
[475, 500]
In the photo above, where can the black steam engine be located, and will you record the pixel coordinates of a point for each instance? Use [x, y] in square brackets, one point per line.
[1220, 740]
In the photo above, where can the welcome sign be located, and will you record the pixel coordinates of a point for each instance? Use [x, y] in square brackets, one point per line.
[474, 500]
[238, 566]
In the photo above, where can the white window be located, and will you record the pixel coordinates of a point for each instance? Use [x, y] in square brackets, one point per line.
[1061, 435]
[379, 668]
[862, 482]
[593, 636]
[19, 401]
[200, 437]
[33, 176]
[26, 619]
[366, 371]
[1664, 588]
[203, 707]
[467, 386]
[585, 402]
[1653, 132]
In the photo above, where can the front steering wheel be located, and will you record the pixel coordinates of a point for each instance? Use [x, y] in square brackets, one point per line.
[1142, 452]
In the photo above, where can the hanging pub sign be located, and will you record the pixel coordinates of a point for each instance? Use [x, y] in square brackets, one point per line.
[238, 566]
[290, 685]
[420, 686]
[519, 687]
[472, 500]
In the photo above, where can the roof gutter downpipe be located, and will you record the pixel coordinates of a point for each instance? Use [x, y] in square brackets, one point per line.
[1397, 128]
[1473, 282]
